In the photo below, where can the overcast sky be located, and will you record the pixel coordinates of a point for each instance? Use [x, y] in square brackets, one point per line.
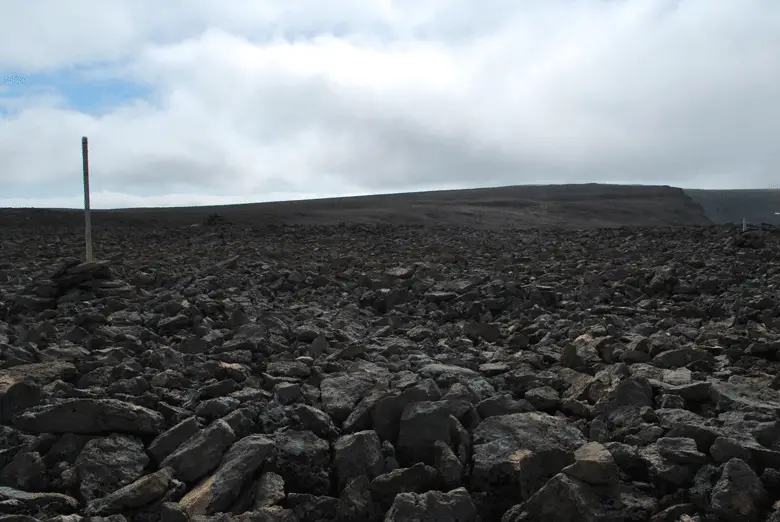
[204, 101]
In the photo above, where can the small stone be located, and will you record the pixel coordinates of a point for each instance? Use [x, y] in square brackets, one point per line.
[287, 393]
[593, 464]
[544, 398]
[269, 490]
[739, 494]
[143, 491]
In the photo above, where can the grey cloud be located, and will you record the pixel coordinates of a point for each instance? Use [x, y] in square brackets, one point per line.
[364, 98]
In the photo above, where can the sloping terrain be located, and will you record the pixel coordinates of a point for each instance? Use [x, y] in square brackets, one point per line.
[577, 206]
[384, 372]
[730, 206]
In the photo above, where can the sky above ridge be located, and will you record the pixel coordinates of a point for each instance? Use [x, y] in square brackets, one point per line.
[191, 102]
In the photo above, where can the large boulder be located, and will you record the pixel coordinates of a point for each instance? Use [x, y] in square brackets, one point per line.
[514, 455]
[91, 416]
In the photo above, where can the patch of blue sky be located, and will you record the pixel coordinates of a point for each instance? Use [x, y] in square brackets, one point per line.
[78, 89]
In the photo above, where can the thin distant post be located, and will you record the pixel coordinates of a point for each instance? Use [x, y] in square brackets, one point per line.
[87, 217]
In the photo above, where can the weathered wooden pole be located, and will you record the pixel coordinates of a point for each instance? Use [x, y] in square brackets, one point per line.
[87, 217]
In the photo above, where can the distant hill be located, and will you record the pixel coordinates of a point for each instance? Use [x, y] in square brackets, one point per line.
[730, 206]
[528, 206]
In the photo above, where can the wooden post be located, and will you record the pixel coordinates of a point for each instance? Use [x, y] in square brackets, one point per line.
[87, 217]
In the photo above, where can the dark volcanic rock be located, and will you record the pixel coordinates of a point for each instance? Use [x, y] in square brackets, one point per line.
[90, 416]
[355, 455]
[455, 505]
[514, 455]
[143, 491]
[385, 372]
[303, 460]
[218, 492]
[108, 463]
[201, 453]
[738, 494]
[20, 386]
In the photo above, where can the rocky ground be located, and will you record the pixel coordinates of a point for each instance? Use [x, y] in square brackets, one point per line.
[367, 373]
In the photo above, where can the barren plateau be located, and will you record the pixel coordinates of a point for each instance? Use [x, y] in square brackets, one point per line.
[586, 353]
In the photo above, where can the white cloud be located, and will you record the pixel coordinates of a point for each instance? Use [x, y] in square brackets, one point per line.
[345, 97]
[107, 199]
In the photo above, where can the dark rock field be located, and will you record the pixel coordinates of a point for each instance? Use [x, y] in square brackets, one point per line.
[389, 373]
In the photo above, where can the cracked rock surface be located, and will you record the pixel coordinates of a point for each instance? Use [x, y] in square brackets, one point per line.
[389, 373]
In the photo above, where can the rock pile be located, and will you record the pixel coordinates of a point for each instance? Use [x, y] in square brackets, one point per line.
[361, 373]
[71, 281]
